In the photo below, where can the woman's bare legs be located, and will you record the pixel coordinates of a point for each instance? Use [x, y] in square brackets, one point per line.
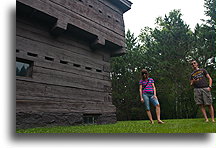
[158, 114]
[150, 116]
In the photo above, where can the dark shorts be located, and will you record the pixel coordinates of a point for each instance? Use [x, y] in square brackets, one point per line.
[202, 96]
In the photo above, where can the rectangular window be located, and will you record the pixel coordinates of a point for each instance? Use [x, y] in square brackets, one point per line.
[90, 118]
[24, 67]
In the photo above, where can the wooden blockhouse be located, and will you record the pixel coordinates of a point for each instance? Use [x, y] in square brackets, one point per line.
[63, 51]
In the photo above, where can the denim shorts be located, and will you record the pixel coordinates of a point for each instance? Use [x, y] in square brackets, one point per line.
[149, 98]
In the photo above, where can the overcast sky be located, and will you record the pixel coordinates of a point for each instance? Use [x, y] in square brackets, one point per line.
[144, 12]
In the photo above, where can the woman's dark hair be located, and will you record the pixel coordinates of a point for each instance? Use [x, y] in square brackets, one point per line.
[144, 71]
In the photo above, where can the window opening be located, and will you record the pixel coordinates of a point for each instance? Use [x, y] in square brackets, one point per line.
[49, 58]
[76, 65]
[24, 67]
[88, 68]
[90, 118]
[98, 70]
[32, 54]
[63, 62]
[100, 11]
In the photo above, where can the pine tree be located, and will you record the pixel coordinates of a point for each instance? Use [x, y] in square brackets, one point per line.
[23, 71]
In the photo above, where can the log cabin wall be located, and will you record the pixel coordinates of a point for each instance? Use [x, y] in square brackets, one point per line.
[67, 46]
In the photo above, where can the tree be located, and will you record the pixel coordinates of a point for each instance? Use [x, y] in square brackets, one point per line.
[210, 6]
[210, 11]
[165, 52]
[23, 71]
[205, 41]
[168, 47]
[125, 79]
[17, 71]
[205, 35]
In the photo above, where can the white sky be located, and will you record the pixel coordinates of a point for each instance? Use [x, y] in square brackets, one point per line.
[144, 12]
[7, 87]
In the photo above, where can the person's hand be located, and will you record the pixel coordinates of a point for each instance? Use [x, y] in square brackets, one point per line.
[194, 80]
[155, 97]
[209, 88]
[142, 100]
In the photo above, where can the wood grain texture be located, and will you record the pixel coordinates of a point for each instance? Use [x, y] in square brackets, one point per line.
[70, 44]
[86, 19]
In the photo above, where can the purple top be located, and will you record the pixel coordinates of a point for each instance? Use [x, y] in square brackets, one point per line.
[149, 87]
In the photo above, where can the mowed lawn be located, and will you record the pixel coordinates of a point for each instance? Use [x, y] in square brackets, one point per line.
[171, 126]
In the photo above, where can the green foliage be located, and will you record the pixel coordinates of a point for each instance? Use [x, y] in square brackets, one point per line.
[171, 126]
[210, 6]
[205, 42]
[206, 33]
[125, 78]
[165, 52]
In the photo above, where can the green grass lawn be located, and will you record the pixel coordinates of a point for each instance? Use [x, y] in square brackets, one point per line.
[171, 126]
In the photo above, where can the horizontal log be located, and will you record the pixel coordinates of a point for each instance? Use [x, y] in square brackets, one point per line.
[33, 31]
[64, 42]
[73, 68]
[66, 100]
[50, 76]
[112, 7]
[96, 11]
[52, 106]
[29, 87]
[44, 49]
[80, 22]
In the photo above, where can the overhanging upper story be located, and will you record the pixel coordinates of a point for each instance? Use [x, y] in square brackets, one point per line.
[99, 21]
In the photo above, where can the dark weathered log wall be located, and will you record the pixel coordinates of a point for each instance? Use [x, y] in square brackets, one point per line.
[99, 17]
[70, 43]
